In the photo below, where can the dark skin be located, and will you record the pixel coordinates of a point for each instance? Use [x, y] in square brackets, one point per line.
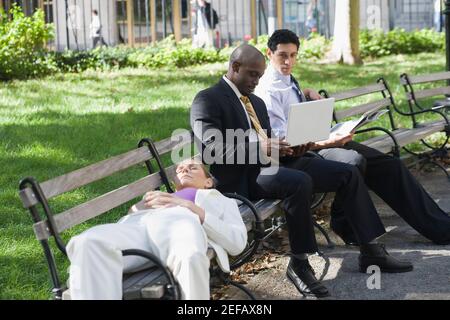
[247, 66]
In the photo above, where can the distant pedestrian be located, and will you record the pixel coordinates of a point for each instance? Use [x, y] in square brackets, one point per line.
[206, 20]
[313, 16]
[96, 30]
[438, 18]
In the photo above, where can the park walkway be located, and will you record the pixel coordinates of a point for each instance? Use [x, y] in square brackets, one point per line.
[429, 280]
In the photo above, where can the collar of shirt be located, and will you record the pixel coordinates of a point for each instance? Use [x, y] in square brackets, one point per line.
[276, 75]
[253, 136]
[233, 86]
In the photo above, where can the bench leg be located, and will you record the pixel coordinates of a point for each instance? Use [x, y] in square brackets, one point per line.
[331, 244]
[432, 162]
[427, 158]
[225, 277]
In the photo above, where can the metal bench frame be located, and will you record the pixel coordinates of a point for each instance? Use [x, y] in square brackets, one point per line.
[394, 137]
[35, 197]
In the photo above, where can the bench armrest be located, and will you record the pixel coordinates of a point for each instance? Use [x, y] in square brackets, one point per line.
[396, 148]
[246, 255]
[174, 288]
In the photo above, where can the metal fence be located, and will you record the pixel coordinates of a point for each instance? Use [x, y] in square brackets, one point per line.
[140, 22]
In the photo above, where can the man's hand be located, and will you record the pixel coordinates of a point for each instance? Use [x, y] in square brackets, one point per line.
[299, 151]
[335, 140]
[272, 147]
[341, 140]
[312, 94]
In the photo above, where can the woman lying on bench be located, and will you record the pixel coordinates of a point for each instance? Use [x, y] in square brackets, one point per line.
[175, 227]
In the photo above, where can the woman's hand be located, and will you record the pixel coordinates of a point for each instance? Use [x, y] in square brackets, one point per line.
[158, 199]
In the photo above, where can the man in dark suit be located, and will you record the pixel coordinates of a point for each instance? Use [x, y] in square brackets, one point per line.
[239, 163]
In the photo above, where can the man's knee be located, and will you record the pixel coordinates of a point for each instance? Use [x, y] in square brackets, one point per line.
[359, 161]
[304, 185]
[351, 174]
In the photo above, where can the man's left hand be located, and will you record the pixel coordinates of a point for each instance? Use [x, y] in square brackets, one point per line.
[312, 94]
[299, 151]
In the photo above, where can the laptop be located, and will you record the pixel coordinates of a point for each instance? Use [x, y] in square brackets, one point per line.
[309, 121]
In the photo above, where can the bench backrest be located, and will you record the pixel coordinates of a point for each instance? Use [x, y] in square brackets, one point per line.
[39, 194]
[413, 93]
[379, 94]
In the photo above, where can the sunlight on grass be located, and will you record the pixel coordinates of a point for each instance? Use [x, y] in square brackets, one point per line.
[54, 125]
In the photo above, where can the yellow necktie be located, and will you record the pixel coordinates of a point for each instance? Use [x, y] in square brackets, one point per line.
[253, 117]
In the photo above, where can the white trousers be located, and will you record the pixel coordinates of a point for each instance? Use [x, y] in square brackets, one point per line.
[175, 235]
[204, 38]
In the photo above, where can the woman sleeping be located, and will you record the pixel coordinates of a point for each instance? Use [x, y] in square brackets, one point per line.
[178, 228]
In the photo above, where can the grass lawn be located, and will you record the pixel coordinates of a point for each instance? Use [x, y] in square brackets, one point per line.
[55, 125]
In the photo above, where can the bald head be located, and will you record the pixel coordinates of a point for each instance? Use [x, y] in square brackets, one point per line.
[247, 65]
[244, 54]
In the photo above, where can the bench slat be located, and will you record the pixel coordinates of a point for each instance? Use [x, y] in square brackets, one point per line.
[99, 205]
[404, 137]
[102, 169]
[428, 93]
[86, 175]
[175, 142]
[265, 207]
[427, 78]
[358, 92]
[359, 110]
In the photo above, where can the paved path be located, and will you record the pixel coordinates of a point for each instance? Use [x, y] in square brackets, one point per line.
[429, 280]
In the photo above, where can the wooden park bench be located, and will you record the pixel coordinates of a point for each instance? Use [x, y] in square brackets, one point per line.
[417, 99]
[155, 281]
[417, 96]
[392, 138]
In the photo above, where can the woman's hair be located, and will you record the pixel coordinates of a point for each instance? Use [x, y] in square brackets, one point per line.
[205, 171]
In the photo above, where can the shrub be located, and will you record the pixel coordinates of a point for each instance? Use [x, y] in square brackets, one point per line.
[101, 58]
[22, 45]
[169, 53]
[314, 47]
[377, 43]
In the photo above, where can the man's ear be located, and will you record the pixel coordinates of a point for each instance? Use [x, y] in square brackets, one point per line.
[269, 53]
[235, 66]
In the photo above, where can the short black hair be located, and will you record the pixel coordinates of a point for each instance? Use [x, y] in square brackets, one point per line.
[95, 12]
[282, 36]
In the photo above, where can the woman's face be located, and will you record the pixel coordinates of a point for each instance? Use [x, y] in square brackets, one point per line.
[190, 174]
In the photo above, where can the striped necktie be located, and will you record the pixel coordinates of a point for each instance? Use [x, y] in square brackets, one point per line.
[299, 91]
[253, 117]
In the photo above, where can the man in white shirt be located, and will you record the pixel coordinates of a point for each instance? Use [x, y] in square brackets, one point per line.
[96, 29]
[385, 175]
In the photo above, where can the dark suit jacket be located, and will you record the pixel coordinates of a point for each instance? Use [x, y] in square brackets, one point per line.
[219, 108]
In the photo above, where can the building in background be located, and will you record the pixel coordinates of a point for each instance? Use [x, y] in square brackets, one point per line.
[140, 22]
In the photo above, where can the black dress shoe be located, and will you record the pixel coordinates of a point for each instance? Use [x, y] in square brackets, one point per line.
[302, 276]
[376, 254]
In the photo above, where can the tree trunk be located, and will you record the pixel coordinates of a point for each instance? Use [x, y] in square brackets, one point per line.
[346, 33]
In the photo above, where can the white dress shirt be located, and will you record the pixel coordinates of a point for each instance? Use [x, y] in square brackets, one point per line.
[253, 136]
[278, 92]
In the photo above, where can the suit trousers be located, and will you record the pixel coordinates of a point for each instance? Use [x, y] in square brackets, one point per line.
[295, 182]
[175, 235]
[389, 178]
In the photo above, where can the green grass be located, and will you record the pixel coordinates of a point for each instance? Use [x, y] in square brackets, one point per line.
[55, 125]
